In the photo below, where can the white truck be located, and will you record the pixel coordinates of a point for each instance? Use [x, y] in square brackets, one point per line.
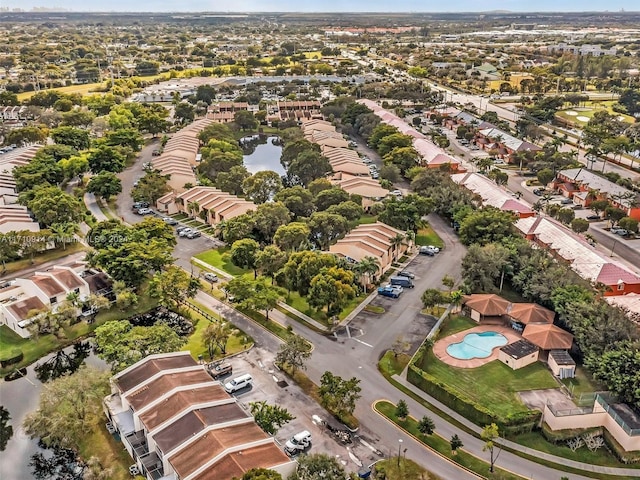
[298, 443]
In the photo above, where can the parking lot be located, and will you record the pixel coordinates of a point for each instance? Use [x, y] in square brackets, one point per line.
[272, 386]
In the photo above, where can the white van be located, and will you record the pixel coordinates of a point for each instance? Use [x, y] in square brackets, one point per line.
[238, 383]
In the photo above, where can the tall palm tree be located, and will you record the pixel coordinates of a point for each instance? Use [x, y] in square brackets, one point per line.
[367, 268]
[395, 243]
[63, 232]
[193, 208]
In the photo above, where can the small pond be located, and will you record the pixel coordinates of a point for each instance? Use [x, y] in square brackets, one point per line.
[261, 152]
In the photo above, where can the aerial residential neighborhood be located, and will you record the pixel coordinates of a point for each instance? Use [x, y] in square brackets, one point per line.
[306, 246]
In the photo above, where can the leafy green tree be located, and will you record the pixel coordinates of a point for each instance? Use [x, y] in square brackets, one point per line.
[173, 286]
[216, 335]
[579, 225]
[120, 344]
[297, 199]
[486, 225]
[184, 112]
[329, 197]
[426, 426]
[308, 166]
[292, 237]
[405, 214]
[293, 149]
[74, 137]
[431, 298]
[51, 205]
[294, 353]
[74, 166]
[153, 122]
[489, 434]
[269, 260]
[629, 224]
[402, 410]
[78, 118]
[401, 157]
[614, 215]
[261, 474]
[232, 181]
[545, 176]
[599, 206]
[264, 298]
[565, 215]
[332, 289]
[29, 134]
[243, 254]
[349, 210]
[237, 228]
[318, 185]
[270, 418]
[455, 443]
[482, 266]
[327, 228]
[318, 466]
[105, 185]
[125, 137]
[302, 267]
[267, 218]
[262, 186]
[619, 369]
[392, 142]
[67, 408]
[151, 187]
[337, 395]
[245, 120]
[38, 172]
[106, 159]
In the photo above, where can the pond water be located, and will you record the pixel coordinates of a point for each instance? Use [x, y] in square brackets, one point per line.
[262, 153]
[21, 397]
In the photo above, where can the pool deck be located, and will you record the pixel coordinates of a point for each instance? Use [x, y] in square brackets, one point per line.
[440, 347]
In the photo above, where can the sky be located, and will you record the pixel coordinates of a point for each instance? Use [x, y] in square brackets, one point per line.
[325, 5]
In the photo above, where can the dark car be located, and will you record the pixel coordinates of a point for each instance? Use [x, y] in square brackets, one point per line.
[594, 217]
[139, 205]
[539, 192]
[406, 273]
[219, 370]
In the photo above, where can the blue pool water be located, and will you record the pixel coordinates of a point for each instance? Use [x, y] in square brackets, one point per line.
[476, 345]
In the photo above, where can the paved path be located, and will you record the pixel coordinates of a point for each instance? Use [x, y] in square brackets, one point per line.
[92, 204]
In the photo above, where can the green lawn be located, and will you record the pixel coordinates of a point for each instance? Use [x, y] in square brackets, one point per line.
[426, 236]
[237, 342]
[300, 303]
[583, 383]
[56, 253]
[495, 384]
[366, 219]
[589, 110]
[99, 443]
[404, 470]
[221, 258]
[442, 445]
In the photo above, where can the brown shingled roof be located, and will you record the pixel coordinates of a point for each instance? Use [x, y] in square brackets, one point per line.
[164, 384]
[237, 463]
[487, 304]
[531, 313]
[21, 308]
[126, 381]
[548, 337]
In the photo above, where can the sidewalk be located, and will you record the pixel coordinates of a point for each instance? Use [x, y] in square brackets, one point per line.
[94, 208]
[629, 472]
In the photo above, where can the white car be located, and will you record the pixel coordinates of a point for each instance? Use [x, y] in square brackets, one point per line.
[397, 193]
[366, 160]
[185, 232]
[144, 211]
[433, 249]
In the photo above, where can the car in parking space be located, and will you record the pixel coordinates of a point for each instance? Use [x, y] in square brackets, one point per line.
[156, 153]
[193, 234]
[397, 193]
[185, 231]
[138, 205]
[375, 175]
[210, 277]
[406, 273]
[594, 217]
[298, 443]
[433, 248]
[425, 251]
[218, 370]
[620, 231]
[181, 228]
[538, 191]
[144, 211]
[566, 201]
[169, 221]
[391, 291]
[366, 160]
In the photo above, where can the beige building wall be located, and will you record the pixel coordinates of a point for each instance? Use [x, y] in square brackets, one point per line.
[555, 368]
[516, 363]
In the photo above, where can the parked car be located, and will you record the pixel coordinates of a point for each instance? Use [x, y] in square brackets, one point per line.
[375, 175]
[397, 193]
[193, 234]
[620, 231]
[298, 443]
[433, 248]
[156, 153]
[218, 370]
[566, 201]
[403, 282]
[390, 291]
[138, 205]
[594, 217]
[366, 160]
[185, 231]
[181, 229]
[238, 383]
[169, 221]
[406, 273]
[210, 277]
[538, 191]
[144, 211]
[425, 251]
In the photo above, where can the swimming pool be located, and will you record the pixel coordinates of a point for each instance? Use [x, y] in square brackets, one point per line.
[476, 345]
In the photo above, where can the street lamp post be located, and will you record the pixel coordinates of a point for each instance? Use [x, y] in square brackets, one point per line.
[399, 446]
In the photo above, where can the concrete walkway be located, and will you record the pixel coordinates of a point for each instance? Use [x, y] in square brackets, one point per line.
[629, 472]
[92, 204]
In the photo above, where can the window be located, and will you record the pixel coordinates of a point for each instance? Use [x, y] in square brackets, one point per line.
[620, 286]
[53, 300]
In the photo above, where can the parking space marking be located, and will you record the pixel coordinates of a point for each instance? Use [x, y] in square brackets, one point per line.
[363, 343]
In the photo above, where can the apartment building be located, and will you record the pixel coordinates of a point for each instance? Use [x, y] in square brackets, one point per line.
[177, 423]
